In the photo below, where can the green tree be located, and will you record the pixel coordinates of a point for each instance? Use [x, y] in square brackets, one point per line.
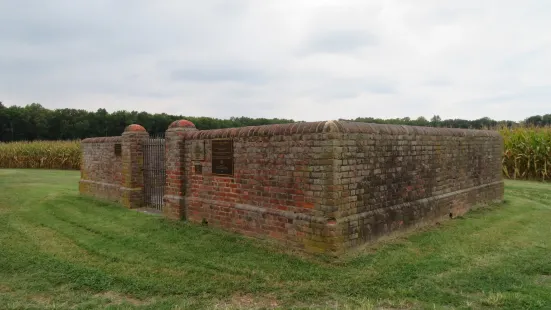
[435, 121]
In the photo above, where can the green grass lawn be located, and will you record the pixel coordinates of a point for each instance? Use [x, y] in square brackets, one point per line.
[59, 250]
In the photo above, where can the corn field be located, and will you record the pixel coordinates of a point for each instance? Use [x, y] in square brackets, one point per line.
[527, 153]
[41, 154]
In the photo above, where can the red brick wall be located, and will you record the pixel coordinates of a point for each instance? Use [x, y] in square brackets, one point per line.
[321, 187]
[114, 176]
[393, 177]
[279, 189]
[101, 169]
[329, 186]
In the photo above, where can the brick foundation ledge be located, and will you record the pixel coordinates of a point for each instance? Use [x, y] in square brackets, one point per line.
[101, 190]
[368, 226]
[316, 234]
[173, 207]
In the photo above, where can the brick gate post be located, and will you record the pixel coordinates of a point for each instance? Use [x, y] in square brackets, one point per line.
[132, 166]
[174, 198]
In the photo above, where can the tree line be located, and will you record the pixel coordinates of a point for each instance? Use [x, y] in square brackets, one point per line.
[34, 122]
[436, 121]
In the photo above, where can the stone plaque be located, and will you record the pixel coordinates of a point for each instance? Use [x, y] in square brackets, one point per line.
[198, 150]
[222, 157]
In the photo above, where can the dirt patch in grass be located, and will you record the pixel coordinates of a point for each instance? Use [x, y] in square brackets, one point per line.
[4, 208]
[544, 279]
[117, 299]
[249, 301]
[41, 299]
[5, 289]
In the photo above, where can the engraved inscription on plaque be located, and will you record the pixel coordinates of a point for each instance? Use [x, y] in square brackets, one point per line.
[222, 157]
[198, 150]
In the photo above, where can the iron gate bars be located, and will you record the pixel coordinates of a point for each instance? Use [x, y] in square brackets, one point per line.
[154, 174]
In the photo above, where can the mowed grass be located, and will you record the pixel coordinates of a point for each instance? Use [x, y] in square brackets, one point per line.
[60, 251]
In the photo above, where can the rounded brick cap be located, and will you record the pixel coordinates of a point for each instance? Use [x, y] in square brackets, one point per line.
[134, 127]
[182, 124]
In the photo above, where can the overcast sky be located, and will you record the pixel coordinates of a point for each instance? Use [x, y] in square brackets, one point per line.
[301, 59]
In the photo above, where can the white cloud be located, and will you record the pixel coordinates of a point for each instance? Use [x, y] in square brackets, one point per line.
[307, 60]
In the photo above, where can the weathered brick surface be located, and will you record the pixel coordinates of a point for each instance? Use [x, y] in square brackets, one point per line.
[132, 166]
[321, 187]
[329, 186]
[109, 176]
[278, 188]
[174, 166]
[392, 177]
[101, 169]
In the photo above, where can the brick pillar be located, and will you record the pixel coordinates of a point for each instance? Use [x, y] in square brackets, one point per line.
[132, 166]
[174, 198]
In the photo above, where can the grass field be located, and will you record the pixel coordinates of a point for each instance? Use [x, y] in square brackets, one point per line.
[59, 250]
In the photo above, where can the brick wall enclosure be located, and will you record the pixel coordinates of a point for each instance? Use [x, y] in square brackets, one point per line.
[101, 168]
[112, 167]
[322, 186]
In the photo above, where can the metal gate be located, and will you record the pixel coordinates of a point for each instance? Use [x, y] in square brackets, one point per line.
[154, 175]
